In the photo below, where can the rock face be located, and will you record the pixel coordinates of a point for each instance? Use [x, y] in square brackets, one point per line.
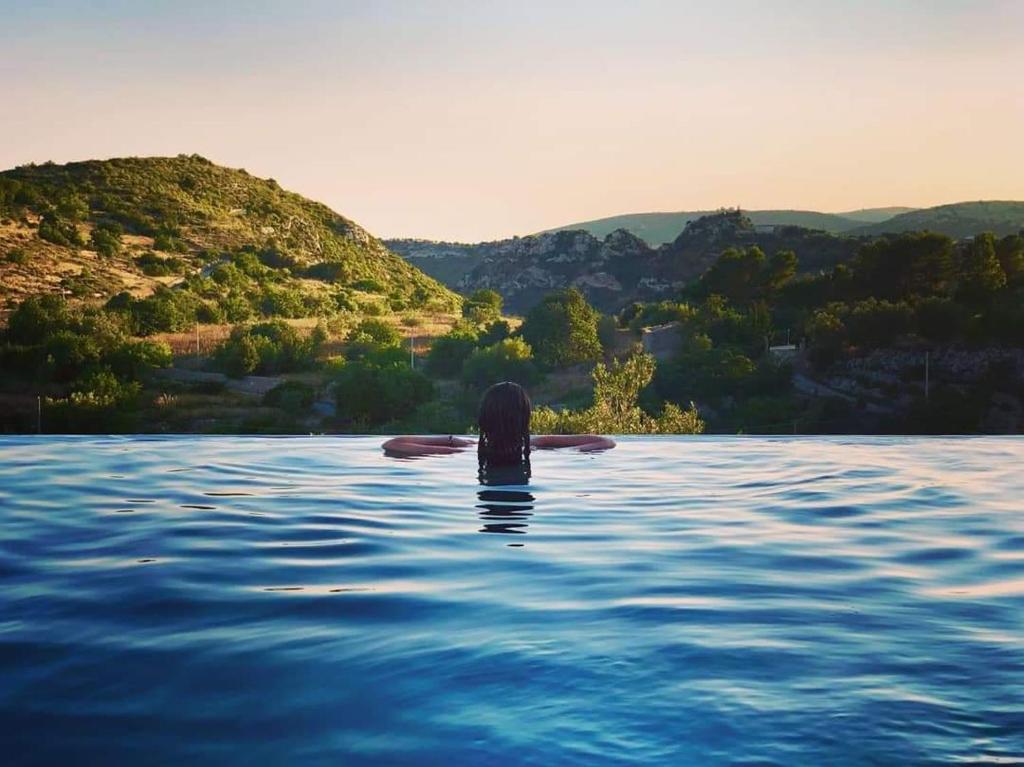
[613, 271]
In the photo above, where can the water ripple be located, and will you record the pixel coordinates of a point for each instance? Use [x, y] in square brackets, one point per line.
[710, 601]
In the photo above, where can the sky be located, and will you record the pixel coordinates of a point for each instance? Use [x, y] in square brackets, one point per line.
[477, 120]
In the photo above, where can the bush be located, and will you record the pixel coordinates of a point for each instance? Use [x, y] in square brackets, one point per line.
[267, 348]
[369, 393]
[508, 360]
[165, 311]
[369, 286]
[448, 353]
[875, 323]
[292, 396]
[483, 306]
[157, 266]
[369, 335]
[133, 359]
[18, 256]
[54, 229]
[106, 238]
[615, 409]
[939, 319]
[100, 403]
[36, 318]
[283, 302]
[562, 329]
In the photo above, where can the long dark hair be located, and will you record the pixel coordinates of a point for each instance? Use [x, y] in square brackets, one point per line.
[504, 422]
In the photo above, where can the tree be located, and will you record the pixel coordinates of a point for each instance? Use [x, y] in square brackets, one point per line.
[828, 337]
[1010, 252]
[981, 274]
[615, 409]
[875, 323]
[939, 319]
[899, 266]
[450, 351]
[508, 360]
[372, 392]
[483, 306]
[562, 329]
[369, 335]
[106, 238]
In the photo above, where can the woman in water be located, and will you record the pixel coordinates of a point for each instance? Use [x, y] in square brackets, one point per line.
[504, 422]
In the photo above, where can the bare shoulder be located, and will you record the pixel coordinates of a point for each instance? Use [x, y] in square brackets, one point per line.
[584, 442]
[425, 445]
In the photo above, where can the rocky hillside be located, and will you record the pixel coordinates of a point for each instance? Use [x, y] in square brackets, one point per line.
[614, 270]
[662, 228]
[93, 229]
[957, 220]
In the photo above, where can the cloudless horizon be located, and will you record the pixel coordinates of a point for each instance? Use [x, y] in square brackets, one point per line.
[469, 121]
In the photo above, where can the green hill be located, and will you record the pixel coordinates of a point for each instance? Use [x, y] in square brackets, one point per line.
[94, 229]
[874, 215]
[959, 220]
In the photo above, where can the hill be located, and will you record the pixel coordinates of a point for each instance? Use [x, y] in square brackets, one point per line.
[615, 269]
[957, 220]
[94, 229]
[661, 228]
[874, 215]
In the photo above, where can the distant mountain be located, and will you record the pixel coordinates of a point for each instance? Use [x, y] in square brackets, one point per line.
[958, 220]
[178, 216]
[660, 228]
[874, 215]
[617, 268]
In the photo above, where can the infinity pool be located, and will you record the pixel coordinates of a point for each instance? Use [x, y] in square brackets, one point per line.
[676, 601]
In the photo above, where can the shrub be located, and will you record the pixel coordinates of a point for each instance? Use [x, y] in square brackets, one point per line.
[369, 335]
[283, 302]
[939, 319]
[18, 256]
[156, 266]
[562, 329]
[106, 238]
[875, 323]
[482, 306]
[54, 229]
[508, 360]
[292, 396]
[37, 317]
[99, 403]
[369, 286]
[133, 359]
[267, 348]
[369, 393]
[615, 409]
[448, 353]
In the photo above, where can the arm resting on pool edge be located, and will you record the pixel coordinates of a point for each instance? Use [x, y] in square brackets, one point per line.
[425, 445]
[585, 442]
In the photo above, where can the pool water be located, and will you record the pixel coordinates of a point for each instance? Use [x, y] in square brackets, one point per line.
[675, 601]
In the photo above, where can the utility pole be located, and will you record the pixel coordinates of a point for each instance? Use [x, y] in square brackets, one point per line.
[412, 352]
[197, 338]
[39, 414]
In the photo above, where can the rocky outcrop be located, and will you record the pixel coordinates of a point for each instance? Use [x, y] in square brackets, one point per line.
[615, 270]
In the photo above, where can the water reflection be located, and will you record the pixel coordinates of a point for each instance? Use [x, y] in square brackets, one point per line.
[504, 505]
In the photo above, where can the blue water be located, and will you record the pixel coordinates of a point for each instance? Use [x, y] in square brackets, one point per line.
[704, 601]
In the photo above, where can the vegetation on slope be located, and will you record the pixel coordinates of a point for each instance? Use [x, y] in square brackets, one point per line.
[93, 229]
[958, 220]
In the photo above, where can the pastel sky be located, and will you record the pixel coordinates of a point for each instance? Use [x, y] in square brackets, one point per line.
[475, 119]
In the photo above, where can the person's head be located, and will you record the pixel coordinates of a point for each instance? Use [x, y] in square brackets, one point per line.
[504, 422]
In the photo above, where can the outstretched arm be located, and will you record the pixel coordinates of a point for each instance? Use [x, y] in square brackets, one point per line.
[408, 446]
[585, 442]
